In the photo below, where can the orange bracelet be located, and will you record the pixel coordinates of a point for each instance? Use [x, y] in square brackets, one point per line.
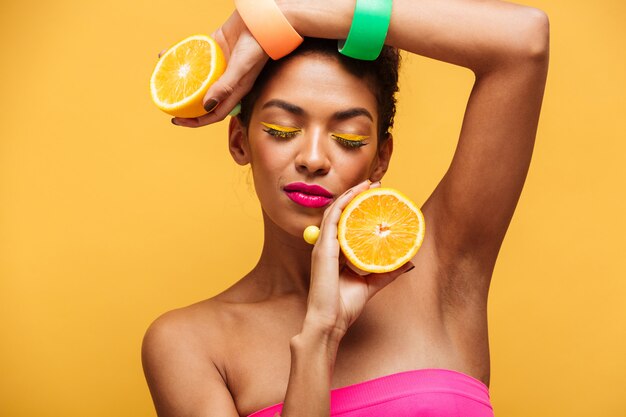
[269, 27]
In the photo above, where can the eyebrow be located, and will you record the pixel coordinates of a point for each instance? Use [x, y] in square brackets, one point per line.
[299, 111]
[354, 112]
[291, 108]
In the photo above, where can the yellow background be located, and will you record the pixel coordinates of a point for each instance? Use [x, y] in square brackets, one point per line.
[110, 215]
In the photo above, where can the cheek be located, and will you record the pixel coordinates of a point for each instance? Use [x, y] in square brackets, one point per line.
[358, 169]
[268, 163]
[268, 158]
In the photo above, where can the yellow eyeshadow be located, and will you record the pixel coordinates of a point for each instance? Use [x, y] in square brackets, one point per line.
[281, 128]
[351, 137]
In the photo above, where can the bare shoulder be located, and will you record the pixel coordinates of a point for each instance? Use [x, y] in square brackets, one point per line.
[191, 321]
[180, 330]
[179, 352]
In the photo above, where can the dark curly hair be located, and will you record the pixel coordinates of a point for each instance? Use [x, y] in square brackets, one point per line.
[381, 75]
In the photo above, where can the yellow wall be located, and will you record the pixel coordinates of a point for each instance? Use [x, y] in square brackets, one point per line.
[110, 215]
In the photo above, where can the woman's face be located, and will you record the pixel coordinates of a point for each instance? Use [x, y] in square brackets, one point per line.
[314, 124]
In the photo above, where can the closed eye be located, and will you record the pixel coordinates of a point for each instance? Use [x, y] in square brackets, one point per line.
[283, 132]
[350, 141]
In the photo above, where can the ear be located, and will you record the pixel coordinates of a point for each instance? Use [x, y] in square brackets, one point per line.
[238, 142]
[385, 149]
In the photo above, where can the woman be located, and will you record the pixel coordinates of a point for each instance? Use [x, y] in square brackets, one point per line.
[301, 324]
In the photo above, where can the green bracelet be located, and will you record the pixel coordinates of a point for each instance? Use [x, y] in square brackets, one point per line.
[368, 30]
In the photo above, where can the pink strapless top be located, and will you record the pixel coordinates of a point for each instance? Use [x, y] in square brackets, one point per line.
[417, 393]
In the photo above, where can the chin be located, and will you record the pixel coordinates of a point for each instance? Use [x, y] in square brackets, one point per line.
[295, 223]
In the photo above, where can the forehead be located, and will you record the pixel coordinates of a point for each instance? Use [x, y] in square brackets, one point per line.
[319, 84]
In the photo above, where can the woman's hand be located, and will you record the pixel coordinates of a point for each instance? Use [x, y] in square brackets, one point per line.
[337, 295]
[245, 59]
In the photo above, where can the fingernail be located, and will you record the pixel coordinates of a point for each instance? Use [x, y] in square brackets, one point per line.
[210, 105]
[409, 269]
[375, 184]
[174, 122]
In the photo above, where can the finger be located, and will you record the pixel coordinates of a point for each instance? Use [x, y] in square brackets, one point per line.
[342, 260]
[376, 184]
[356, 270]
[228, 34]
[162, 52]
[223, 109]
[329, 208]
[328, 228]
[372, 185]
[246, 61]
[325, 256]
[220, 34]
[342, 201]
[376, 282]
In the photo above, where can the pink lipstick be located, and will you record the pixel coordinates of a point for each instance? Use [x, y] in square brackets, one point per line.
[308, 195]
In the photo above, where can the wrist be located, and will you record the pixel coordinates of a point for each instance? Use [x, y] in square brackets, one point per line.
[316, 334]
[289, 10]
[313, 20]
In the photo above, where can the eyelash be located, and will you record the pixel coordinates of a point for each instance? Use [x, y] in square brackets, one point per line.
[280, 133]
[352, 144]
[348, 143]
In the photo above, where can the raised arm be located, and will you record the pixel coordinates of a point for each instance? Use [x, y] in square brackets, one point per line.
[506, 46]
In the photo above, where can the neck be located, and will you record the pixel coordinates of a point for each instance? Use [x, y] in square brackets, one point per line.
[285, 263]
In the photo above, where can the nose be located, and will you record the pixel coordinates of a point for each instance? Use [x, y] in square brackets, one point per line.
[312, 157]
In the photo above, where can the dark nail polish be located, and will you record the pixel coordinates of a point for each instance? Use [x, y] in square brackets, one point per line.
[411, 268]
[174, 122]
[210, 105]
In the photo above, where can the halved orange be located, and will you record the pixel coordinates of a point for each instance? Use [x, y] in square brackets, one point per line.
[380, 230]
[184, 73]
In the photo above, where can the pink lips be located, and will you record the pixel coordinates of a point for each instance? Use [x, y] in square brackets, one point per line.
[308, 195]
